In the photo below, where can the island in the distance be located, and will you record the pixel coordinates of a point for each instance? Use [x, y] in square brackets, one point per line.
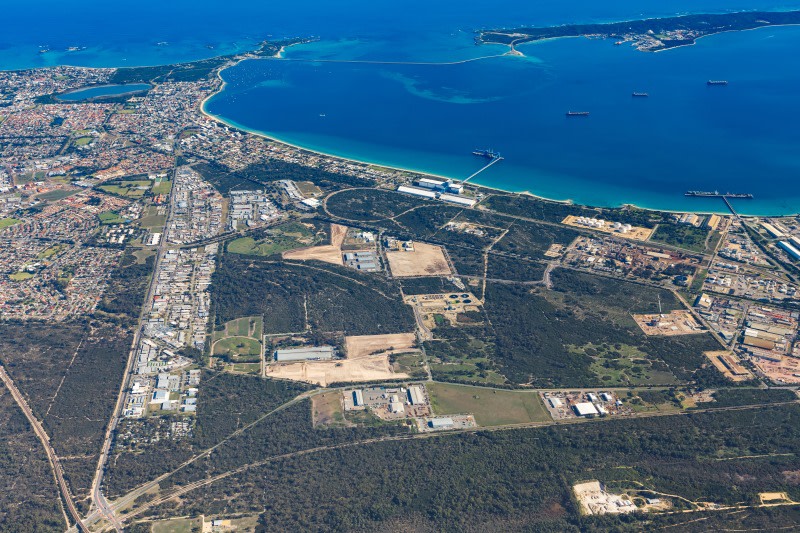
[649, 35]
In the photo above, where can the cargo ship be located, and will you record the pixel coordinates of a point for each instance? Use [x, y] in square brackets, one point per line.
[717, 82]
[577, 113]
[717, 194]
[488, 154]
[640, 95]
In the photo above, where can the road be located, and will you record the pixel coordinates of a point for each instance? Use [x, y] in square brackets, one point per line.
[97, 496]
[55, 464]
[181, 490]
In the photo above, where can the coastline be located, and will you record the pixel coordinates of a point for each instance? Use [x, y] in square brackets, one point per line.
[487, 188]
[279, 54]
[364, 161]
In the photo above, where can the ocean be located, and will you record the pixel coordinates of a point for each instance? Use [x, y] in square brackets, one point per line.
[648, 151]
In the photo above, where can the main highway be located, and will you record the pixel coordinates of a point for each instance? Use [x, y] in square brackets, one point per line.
[97, 496]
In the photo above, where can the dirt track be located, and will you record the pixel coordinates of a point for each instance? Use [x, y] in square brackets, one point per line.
[425, 260]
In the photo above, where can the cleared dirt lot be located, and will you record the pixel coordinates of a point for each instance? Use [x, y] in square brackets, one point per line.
[363, 345]
[425, 260]
[729, 364]
[329, 253]
[324, 372]
[673, 323]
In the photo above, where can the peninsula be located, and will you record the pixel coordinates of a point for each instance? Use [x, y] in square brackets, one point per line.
[648, 35]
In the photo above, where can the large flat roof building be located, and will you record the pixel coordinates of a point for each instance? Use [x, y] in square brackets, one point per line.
[306, 353]
[585, 409]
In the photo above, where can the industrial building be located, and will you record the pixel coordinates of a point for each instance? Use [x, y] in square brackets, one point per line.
[364, 260]
[358, 398]
[454, 199]
[306, 353]
[773, 231]
[433, 189]
[425, 193]
[793, 252]
[416, 395]
[441, 186]
[441, 422]
[585, 409]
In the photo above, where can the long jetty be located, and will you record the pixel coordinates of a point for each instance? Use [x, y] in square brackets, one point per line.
[492, 162]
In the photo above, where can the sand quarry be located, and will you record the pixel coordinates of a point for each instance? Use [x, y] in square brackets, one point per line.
[359, 365]
[329, 253]
[425, 260]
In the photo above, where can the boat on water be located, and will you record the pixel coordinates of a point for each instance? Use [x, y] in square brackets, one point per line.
[577, 113]
[640, 95]
[488, 154]
[717, 82]
[717, 194]
[618, 43]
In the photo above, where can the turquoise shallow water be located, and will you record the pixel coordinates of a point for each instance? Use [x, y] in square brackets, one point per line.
[646, 151]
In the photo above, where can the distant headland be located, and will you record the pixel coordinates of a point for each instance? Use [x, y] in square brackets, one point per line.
[647, 35]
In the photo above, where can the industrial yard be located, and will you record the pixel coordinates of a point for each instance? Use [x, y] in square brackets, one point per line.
[437, 308]
[619, 229]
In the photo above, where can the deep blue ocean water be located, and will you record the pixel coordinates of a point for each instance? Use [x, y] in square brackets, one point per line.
[742, 137]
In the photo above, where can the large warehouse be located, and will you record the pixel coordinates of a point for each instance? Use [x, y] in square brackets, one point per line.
[306, 353]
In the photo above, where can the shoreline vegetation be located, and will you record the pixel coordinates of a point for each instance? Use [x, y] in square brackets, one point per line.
[647, 35]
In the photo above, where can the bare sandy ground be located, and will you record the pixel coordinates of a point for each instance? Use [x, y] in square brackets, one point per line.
[363, 345]
[679, 322]
[425, 260]
[324, 372]
[329, 253]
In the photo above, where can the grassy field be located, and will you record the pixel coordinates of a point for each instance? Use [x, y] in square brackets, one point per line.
[491, 407]
[128, 192]
[151, 218]
[83, 141]
[6, 222]
[180, 525]
[162, 186]
[281, 239]
[49, 252]
[142, 255]
[237, 346]
[246, 368]
[110, 217]
[326, 409]
[248, 326]
[410, 364]
[20, 276]
[248, 246]
[55, 195]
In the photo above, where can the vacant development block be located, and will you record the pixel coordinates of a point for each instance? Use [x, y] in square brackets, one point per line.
[424, 260]
[491, 407]
[365, 345]
[328, 253]
[375, 368]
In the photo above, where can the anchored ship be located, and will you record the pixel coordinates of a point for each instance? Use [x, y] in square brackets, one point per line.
[717, 82]
[577, 113]
[640, 95]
